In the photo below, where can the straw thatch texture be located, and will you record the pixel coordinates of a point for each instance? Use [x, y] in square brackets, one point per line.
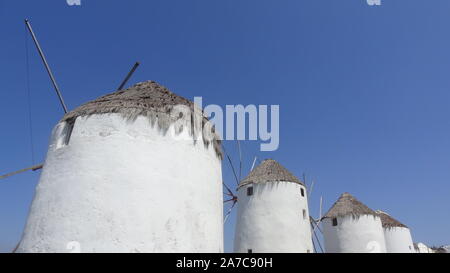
[388, 221]
[348, 205]
[157, 103]
[269, 171]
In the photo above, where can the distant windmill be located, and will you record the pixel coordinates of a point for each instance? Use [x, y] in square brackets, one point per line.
[234, 199]
[397, 235]
[273, 212]
[352, 227]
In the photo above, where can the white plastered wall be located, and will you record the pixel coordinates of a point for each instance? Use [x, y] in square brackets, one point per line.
[272, 220]
[122, 186]
[361, 234]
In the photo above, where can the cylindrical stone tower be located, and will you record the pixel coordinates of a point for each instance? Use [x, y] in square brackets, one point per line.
[272, 212]
[397, 235]
[131, 171]
[352, 227]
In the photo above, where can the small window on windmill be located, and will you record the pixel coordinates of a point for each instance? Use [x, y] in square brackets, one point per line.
[335, 223]
[249, 191]
[249, 251]
[302, 191]
[66, 133]
[304, 214]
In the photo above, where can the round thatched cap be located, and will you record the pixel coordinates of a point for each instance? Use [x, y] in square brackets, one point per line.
[131, 102]
[348, 205]
[388, 221]
[270, 171]
[148, 99]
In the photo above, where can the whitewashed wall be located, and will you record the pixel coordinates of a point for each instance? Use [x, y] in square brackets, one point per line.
[363, 234]
[271, 220]
[123, 186]
[398, 240]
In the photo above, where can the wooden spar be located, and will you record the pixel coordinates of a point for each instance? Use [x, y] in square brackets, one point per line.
[229, 212]
[58, 92]
[128, 76]
[33, 168]
[49, 71]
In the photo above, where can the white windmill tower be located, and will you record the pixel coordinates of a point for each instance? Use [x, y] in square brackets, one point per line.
[273, 212]
[129, 172]
[397, 235]
[352, 227]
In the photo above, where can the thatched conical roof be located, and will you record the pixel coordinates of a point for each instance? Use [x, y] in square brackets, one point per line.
[269, 171]
[148, 99]
[348, 205]
[131, 102]
[388, 221]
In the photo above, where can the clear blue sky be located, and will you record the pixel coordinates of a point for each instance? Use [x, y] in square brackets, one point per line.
[364, 91]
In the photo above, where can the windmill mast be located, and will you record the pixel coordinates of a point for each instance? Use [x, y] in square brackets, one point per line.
[58, 92]
[49, 71]
[124, 82]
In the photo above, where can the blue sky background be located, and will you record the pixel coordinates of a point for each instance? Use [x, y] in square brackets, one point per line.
[363, 91]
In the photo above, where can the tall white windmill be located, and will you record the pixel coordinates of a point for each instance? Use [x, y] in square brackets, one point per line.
[57, 90]
[116, 180]
[65, 130]
[273, 212]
